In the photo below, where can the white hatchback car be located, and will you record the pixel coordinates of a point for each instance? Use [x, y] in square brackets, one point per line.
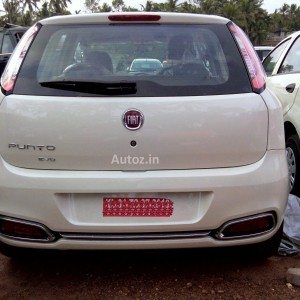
[263, 51]
[283, 69]
[145, 65]
[96, 157]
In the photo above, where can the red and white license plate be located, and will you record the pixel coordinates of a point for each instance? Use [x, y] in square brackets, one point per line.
[137, 207]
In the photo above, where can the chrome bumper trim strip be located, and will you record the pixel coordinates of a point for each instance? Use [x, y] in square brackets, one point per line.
[135, 236]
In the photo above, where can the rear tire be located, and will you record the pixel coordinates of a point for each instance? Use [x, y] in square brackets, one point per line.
[293, 157]
[15, 252]
[268, 248]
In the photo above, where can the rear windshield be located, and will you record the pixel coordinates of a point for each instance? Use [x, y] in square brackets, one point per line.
[160, 60]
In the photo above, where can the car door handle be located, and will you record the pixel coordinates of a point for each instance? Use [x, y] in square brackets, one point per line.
[290, 88]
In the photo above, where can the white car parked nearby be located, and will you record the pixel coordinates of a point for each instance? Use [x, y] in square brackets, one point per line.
[96, 157]
[263, 51]
[145, 65]
[283, 69]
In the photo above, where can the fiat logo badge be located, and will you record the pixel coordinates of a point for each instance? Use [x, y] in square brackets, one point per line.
[133, 119]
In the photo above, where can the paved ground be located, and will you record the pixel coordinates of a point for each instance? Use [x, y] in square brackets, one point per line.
[180, 274]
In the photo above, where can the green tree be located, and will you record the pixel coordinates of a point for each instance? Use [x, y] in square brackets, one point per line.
[105, 8]
[148, 6]
[59, 7]
[92, 6]
[12, 11]
[172, 5]
[248, 14]
[294, 17]
[118, 5]
[231, 11]
[26, 19]
[44, 11]
[130, 8]
[158, 7]
[188, 7]
[286, 18]
[51, 8]
[29, 5]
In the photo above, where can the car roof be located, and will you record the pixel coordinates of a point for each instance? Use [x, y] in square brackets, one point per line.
[290, 37]
[15, 28]
[294, 34]
[97, 18]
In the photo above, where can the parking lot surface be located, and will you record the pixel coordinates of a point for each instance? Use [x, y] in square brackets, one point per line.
[176, 274]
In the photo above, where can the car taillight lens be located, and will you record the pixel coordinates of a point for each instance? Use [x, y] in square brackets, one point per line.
[10, 73]
[134, 18]
[254, 66]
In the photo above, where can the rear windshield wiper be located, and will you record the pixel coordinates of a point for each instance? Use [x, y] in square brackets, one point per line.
[93, 87]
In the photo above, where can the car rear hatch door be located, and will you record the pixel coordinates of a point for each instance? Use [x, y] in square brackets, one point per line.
[177, 133]
[69, 103]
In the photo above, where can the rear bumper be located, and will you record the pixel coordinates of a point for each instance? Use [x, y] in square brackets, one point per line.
[46, 197]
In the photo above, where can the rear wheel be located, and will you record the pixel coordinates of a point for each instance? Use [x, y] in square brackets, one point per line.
[293, 159]
[12, 252]
[264, 249]
[19, 252]
[270, 247]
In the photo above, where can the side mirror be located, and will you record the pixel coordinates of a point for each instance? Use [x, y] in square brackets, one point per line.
[3, 61]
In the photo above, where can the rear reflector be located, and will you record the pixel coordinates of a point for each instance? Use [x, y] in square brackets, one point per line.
[134, 18]
[23, 230]
[254, 66]
[247, 227]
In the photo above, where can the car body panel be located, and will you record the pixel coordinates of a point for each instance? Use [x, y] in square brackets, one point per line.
[170, 18]
[227, 193]
[293, 116]
[221, 158]
[14, 34]
[183, 132]
[276, 138]
[277, 83]
[284, 82]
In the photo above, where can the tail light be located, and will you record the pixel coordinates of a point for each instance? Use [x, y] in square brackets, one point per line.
[254, 66]
[134, 18]
[11, 71]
